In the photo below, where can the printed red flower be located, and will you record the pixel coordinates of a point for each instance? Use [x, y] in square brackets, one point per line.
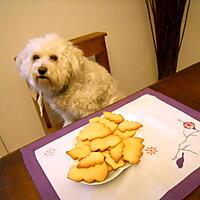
[151, 150]
[189, 125]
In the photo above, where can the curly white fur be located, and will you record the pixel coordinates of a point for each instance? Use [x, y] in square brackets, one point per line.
[73, 85]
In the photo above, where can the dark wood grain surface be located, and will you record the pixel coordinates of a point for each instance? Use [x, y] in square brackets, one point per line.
[15, 182]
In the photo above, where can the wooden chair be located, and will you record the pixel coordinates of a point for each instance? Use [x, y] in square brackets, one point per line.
[92, 44]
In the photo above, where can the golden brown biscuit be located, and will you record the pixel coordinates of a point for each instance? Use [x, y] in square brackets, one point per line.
[109, 168]
[105, 153]
[94, 130]
[111, 125]
[114, 164]
[133, 149]
[92, 159]
[79, 151]
[117, 151]
[97, 173]
[129, 125]
[82, 142]
[117, 118]
[103, 143]
[125, 134]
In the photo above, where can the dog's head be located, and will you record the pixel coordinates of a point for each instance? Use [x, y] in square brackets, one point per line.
[48, 63]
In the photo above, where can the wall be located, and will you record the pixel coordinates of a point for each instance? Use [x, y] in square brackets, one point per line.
[2, 149]
[190, 50]
[129, 43]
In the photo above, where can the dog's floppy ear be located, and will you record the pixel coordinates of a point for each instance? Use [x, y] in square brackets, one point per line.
[74, 56]
[22, 62]
[18, 60]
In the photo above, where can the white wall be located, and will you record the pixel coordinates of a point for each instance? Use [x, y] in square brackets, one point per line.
[129, 43]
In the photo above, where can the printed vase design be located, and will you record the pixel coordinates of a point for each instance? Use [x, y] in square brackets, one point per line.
[180, 161]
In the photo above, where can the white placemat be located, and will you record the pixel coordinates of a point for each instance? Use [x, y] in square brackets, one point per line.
[171, 153]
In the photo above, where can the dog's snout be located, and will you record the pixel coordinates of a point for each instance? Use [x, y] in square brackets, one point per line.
[42, 70]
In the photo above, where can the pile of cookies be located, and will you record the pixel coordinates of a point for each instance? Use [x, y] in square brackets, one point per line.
[105, 144]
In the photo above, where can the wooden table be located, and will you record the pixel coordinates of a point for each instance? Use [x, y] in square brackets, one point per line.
[15, 182]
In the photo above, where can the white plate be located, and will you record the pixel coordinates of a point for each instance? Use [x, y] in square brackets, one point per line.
[113, 174]
[110, 176]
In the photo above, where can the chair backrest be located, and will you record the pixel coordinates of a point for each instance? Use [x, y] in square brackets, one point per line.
[92, 44]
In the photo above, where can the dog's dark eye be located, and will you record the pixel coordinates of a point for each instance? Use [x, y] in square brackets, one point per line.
[35, 57]
[53, 57]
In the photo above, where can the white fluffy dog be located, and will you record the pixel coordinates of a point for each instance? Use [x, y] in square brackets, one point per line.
[73, 85]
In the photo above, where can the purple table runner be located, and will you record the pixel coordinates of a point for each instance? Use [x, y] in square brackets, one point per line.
[45, 188]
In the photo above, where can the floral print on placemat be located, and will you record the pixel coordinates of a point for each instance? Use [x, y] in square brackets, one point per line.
[189, 130]
[49, 152]
[151, 150]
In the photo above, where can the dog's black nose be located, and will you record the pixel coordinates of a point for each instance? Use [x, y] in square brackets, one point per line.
[42, 70]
